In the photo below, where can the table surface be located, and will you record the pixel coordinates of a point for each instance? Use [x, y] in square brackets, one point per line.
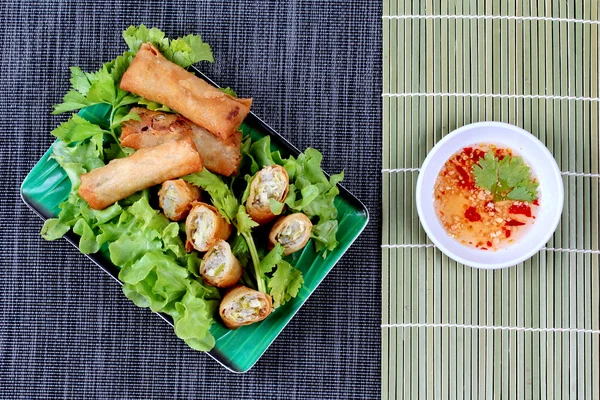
[66, 330]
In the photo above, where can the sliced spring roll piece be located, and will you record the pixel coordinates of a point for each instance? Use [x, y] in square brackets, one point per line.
[155, 78]
[204, 226]
[175, 198]
[244, 306]
[219, 266]
[271, 182]
[219, 156]
[292, 232]
[147, 167]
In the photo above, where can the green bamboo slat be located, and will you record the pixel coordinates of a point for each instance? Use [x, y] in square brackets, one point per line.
[402, 55]
[595, 240]
[458, 287]
[585, 391]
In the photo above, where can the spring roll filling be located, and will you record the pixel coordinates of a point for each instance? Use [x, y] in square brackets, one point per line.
[245, 308]
[291, 232]
[202, 226]
[269, 185]
[171, 199]
[216, 263]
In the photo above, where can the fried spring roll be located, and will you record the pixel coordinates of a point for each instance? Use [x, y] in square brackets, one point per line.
[244, 306]
[155, 78]
[271, 182]
[204, 226]
[220, 156]
[219, 266]
[292, 232]
[175, 197]
[146, 167]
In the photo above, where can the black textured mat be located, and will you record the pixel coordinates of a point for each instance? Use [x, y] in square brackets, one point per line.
[66, 330]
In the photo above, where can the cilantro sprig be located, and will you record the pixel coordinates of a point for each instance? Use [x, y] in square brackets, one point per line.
[507, 179]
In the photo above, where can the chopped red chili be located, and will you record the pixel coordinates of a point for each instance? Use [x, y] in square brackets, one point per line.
[489, 244]
[536, 202]
[472, 215]
[465, 180]
[523, 209]
[514, 222]
[507, 233]
[477, 154]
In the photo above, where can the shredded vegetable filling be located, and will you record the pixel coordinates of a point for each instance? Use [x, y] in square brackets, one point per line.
[269, 186]
[215, 263]
[170, 199]
[245, 308]
[204, 225]
[291, 233]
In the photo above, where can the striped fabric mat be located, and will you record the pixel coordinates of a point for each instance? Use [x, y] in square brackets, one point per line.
[529, 331]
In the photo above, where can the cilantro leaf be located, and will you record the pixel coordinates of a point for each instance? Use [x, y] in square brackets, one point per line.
[79, 80]
[271, 259]
[285, 283]
[222, 196]
[509, 178]
[486, 172]
[76, 129]
[244, 222]
[240, 250]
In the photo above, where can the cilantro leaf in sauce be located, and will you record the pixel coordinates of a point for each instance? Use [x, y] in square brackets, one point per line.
[507, 179]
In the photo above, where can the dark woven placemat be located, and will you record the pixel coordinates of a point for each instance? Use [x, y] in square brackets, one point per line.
[66, 330]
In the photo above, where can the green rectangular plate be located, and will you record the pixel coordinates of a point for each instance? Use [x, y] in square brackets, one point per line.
[47, 185]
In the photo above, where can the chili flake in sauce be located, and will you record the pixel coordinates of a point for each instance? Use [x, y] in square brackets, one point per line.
[468, 212]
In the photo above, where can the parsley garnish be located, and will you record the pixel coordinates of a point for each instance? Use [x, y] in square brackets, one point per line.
[507, 179]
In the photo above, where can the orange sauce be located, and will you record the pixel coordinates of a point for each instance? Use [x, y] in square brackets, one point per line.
[469, 213]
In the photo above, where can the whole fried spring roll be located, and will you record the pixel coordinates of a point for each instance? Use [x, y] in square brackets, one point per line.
[175, 197]
[219, 266]
[155, 78]
[154, 127]
[292, 232]
[146, 167]
[271, 182]
[244, 306]
[204, 226]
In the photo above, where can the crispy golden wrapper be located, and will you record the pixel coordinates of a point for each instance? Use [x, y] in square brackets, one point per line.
[292, 232]
[220, 156]
[155, 78]
[147, 167]
[271, 182]
[219, 266]
[204, 226]
[244, 306]
[175, 198]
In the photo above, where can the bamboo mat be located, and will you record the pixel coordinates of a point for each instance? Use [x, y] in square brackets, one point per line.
[529, 331]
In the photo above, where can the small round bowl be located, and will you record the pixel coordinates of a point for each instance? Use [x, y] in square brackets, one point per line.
[550, 193]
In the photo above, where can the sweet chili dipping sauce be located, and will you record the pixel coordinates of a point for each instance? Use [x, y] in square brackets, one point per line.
[469, 213]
